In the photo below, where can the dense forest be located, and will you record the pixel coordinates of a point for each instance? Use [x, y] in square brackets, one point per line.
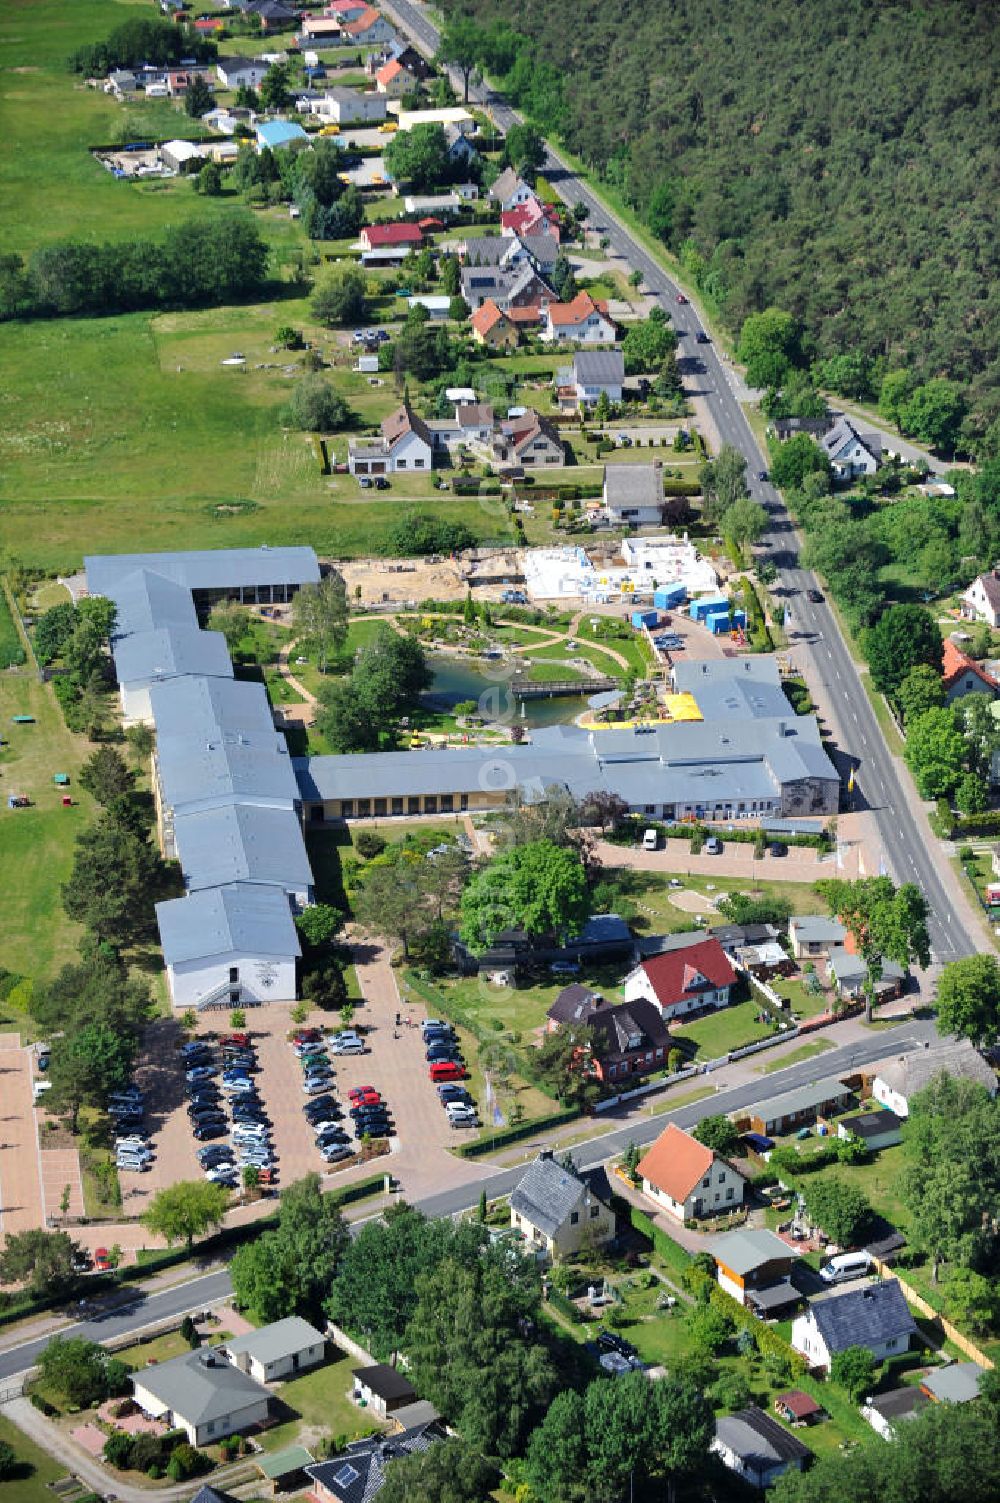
[838, 161]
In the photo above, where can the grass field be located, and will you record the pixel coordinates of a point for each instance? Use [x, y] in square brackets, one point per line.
[796, 1056]
[319, 1400]
[729, 1028]
[652, 893]
[11, 647]
[36, 844]
[38, 1470]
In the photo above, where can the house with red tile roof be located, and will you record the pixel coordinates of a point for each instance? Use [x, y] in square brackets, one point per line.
[369, 27]
[492, 328]
[393, 80]
[687, 1180]
[582, 321]
[390, 236]
[531, 218]
[961, 675]
[684, 980]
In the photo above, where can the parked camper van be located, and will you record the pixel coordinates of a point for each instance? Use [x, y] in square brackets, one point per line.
[846, 1266]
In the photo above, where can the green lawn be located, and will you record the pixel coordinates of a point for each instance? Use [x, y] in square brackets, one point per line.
[319, 1400]
[728, 1028]
[652, 893]
[36, 844]
[37, 1472]
[519, 1009]
[160, 1349]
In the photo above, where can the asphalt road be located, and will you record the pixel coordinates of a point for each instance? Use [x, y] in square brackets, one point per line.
[140, 1309]
[815, 631]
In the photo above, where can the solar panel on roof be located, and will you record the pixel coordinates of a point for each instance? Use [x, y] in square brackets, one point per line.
[346, 1475]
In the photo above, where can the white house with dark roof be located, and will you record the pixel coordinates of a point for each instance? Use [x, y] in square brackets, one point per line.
[406, 444]
[981, 601]
[557, 1212]
[850, 452]
[239, 72]
[896, 1081]
[755, 1446]
[876, 1317]
[579, 386]
[633, 493]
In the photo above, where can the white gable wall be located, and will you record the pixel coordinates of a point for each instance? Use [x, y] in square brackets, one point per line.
[208, 981]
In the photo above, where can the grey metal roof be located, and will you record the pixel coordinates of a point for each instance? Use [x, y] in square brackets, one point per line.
[171, 652]
[231, 766]
[689, 676]
[801, 1099]
[633, 484]
[911, 1072]
[749, 1248]
[145, 600]
[862, 1317]
[282, 1338]
[213, 568]
[850, 969]
[242, 843]
[197, 706]
[955, 1384]
[599, 367]
[546, 1195]
[871, 1124]
[241, 919]
[817, 929]
[758, 1439]
[898, 1403]
[201, 1386]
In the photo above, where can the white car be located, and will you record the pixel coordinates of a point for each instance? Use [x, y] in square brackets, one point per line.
[650, 840]
[222, 1174]
[251, 1132]
[347, 1046]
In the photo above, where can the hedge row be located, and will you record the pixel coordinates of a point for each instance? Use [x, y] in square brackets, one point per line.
[565, 1307]
[320, 451]
[515, 1134]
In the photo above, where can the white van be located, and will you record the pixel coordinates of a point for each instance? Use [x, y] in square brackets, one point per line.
[845, 1266]
[650, 840]
[38, 1089]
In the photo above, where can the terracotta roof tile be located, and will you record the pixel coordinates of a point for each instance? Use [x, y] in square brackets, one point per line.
[675, 975]
[675, 1163]
[956, 662]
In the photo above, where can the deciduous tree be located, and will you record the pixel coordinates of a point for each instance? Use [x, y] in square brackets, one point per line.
[42, 1260]
[968, 999]
[903, 637]
[935, 752]
[855, 1370]
[186, 1210]
[320, 613]
[539, 887]
[885, 922]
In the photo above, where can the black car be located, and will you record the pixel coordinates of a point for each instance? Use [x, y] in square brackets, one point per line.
[375, 1114]
[375, 1129]
[762, 475]
[702, 338]
[440, 1053]
[319, 1106]
[205, 1109]
[332, 1135]
[209, 1157]
[816, 596]
[613, 1343]
[369, 1109]
[208, 1130]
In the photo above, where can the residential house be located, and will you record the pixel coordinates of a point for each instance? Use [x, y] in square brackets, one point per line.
[460, 148]
[683, 981]
[240, 72]
[557, 1212]
[351, 107]
[895, 1081]
[368, 29]
[275, 134]
[629, 1038]
[580, 385]
[492, 328]
[532, 218]
[397, 236]
[788, 427]
[394, 80]
[757, 1447]
[798, 1107]
[467, 192]
[735, 938]
[981, 601]
[357, 1474]
[475, 421]
[405, 444]
[233, 946]
[954, 1383]
[509, 191]
[202, 1394]
[443, 205]
[684, 1178]
[273, 16]
[847, 972]
[962, 675]
[850, 452]
[814, 935]
[279, 1350]
[886, 1411]
[754, 1266]
[327, 29]
[518, 287]
[382, 1389]
[877, 1130]
[122, 83]
[582, 321]
[875, 1316]
[179, 80]
[401, 52]
[528, 442]
[633, 493]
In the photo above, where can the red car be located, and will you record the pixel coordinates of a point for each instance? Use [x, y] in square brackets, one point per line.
[102, 1260]
[241, 1039]
[360, 1091]
[307, 1036]
[681, 298]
